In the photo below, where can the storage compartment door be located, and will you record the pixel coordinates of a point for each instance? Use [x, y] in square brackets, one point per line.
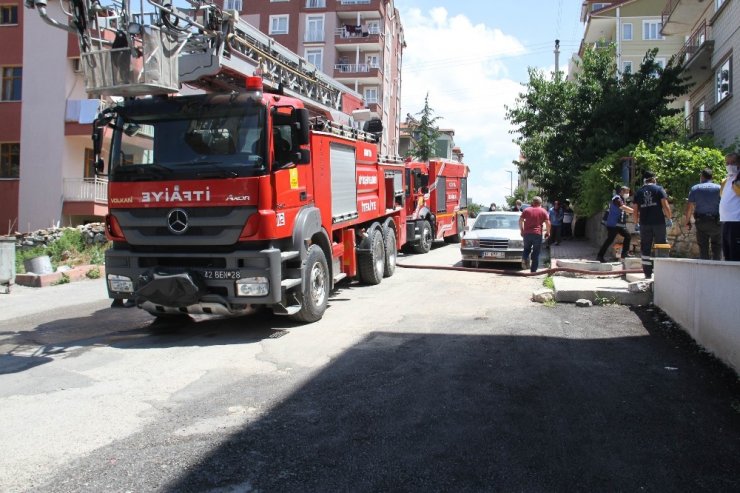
[343, 186]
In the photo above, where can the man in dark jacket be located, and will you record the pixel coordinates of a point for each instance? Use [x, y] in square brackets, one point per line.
[653, 215]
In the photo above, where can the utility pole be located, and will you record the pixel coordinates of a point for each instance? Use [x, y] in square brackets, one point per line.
[511, 183]
[557, 59]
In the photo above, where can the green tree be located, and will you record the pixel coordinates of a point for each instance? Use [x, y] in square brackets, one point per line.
[425, 133]
[519, 194]
[565, 126]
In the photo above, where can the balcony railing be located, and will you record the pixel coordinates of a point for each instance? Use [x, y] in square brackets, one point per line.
[86, 190]
[692, 45]
[670, 6]
[697, 123]
[348, 67]
[349, 31]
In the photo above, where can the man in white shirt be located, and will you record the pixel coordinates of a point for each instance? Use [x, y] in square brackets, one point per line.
[729, 209]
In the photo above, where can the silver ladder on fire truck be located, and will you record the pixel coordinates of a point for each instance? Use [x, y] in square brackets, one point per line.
[160, 47]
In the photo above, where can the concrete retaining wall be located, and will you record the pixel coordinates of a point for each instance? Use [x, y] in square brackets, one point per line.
[702, 296]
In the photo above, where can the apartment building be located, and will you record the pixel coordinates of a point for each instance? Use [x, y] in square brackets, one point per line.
[46, 174]
[358, 42]
[444, 146]
[711, 33]
[11, 65]
[634, 26]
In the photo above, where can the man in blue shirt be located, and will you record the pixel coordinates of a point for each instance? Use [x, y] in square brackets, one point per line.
[704, 205]
[615, 223]
[652, 214]
[556, 220]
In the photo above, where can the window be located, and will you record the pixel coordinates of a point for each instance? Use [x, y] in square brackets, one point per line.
[627, 67]
[315, 4]
[372, 61]
[233, 5]
[599, 6]
[89, 164]
[8, 14]
[651, 30]
[315, 56]
[279, 24]
[11, 90]
[373, 27]
[10, 160]
[627, 32]
[371, 95]
[315, 28]
[720, 3]
[724, 80]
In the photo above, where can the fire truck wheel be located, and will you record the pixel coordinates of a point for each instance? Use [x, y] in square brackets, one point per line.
[314, 293]
[372, 263]
[390, 252]
[425, 243]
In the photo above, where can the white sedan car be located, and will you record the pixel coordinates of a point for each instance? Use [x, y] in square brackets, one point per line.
[494, 237]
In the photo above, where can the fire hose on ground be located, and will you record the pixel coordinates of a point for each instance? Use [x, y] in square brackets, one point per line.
[503, 272]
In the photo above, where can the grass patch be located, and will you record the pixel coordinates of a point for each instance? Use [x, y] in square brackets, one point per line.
[549, 282]
[93, 273]
[69, 249]
[550, 303]
[63, 280]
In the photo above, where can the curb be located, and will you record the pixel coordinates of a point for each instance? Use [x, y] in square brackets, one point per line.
[78, 273]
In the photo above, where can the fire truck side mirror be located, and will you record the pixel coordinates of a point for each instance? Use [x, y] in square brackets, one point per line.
[302, 126]
[302, 156]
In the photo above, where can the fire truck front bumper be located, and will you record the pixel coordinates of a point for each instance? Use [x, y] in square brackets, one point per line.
[196, 283]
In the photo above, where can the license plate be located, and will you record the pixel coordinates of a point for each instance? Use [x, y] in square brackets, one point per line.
[222, 274]
[494, 254]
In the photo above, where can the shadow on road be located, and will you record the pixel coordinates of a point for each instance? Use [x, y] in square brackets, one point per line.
[133, 328]
[419, 412]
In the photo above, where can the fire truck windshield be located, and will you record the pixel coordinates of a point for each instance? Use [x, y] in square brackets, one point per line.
[213, 142]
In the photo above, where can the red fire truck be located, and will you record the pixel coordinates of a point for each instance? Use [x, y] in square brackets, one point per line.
[219, 202]
[436, 206]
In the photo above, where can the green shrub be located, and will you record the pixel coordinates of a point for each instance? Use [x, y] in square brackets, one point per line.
[63, 280]
[677, 166]
[93, 273]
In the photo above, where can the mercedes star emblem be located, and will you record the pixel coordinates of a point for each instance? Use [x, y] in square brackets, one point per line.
[177, 221]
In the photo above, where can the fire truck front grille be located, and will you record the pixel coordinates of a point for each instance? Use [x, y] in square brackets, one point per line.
[183, 262]
[179, 226]
[498, 244]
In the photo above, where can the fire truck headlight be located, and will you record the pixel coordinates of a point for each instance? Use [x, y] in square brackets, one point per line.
[120, 284]
[470, 243]
[252, 286]
[516, 243]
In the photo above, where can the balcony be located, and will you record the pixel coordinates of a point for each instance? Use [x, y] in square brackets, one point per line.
[365, 38]
[679, 16]
[698, 123]
[696, 54]
[364, 73]
[361, 6]
[85, 196]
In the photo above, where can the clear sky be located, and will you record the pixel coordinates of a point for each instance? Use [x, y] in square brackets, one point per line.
[471, 57]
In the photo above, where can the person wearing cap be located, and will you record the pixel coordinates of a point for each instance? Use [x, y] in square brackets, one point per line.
[729, 208]
[615, 224]
[653, 215]
[703, 203]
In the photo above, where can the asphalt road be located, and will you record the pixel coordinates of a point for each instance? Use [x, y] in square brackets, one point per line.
[430, 381]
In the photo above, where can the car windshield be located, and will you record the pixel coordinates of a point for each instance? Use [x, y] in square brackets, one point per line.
[496, 221]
